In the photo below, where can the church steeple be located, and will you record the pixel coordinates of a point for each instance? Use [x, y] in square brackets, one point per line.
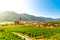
[19, 18]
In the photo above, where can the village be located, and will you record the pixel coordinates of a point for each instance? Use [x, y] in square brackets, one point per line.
[45, 24]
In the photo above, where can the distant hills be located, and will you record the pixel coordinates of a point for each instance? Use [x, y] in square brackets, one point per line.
[12, 16]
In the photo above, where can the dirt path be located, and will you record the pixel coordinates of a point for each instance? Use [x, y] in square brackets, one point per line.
[26, 37]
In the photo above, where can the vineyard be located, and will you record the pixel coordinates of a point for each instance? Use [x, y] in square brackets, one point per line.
[31, 31]
[9, 36]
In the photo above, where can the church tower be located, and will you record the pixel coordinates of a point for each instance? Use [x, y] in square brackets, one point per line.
[19, 20]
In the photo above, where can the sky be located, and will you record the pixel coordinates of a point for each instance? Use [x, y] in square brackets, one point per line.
[45, 8]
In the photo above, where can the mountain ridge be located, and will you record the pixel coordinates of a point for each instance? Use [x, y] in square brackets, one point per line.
[12, 16]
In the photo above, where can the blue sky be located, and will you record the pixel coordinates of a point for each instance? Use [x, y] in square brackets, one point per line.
[45, 8]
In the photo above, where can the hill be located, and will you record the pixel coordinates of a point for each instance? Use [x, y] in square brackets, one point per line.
[12, 16]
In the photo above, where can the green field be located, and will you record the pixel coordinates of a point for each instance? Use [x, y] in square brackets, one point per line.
[31, 31]
[9, 36]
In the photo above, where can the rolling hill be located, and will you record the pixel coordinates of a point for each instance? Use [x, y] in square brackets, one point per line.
[12, 16]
